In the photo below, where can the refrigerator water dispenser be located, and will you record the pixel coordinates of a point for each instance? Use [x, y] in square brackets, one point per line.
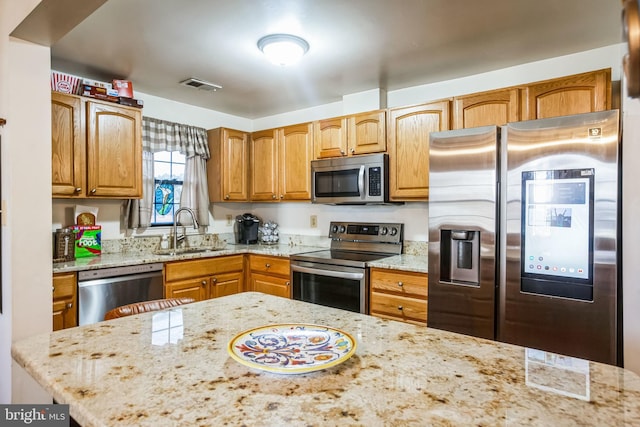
[460, 257]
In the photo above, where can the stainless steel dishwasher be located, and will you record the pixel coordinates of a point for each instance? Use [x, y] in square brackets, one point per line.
[104, 289]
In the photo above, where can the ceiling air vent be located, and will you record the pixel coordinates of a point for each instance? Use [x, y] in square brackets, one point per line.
[200, 84]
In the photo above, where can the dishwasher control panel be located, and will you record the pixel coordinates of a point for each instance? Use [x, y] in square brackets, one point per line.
[119, 271]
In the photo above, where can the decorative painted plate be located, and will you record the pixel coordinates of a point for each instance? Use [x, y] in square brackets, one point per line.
[292, 348]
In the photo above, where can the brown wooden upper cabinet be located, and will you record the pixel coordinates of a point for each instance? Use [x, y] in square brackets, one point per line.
[228, 167]
[280, 163]
[363, 133]
[409, 129]
[98, 155]
[495, 107]
[576, 94]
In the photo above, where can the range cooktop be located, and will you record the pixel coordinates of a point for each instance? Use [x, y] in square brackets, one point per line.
[356, 243]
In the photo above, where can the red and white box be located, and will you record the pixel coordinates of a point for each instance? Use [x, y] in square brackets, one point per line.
[65, 83]
[124, 88]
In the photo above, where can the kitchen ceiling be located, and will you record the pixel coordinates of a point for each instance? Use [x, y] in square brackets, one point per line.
[355, 45]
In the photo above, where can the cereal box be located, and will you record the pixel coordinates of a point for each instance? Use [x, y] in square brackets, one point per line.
[88, 240]
[124, 88]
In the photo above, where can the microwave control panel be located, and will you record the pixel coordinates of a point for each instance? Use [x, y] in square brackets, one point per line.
[375, 181]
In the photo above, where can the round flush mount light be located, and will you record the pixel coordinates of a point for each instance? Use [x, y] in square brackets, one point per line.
[283, 49]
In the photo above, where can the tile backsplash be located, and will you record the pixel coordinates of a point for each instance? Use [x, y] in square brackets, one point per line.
[148, 244]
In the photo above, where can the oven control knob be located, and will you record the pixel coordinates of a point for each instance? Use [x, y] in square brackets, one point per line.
[343, 229]
[384, 231]
[334, 229]
[394, 231]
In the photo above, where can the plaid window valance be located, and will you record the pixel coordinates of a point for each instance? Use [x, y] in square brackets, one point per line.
[160, 135]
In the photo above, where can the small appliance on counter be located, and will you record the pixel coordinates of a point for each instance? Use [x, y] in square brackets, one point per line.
[246, 229]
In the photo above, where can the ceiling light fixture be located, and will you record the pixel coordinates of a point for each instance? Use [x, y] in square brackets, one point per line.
[283, 49]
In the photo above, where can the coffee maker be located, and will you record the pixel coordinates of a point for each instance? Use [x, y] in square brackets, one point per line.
[246, 229]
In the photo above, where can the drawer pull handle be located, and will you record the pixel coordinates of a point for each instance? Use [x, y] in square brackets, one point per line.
[267, 265]
[400, 284]
[400, 307]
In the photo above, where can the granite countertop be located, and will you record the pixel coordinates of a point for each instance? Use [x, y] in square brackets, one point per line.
[133, 257]
[416, 263]
[132, 371]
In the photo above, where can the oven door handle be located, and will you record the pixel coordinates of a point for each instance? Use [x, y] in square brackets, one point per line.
[323, 272]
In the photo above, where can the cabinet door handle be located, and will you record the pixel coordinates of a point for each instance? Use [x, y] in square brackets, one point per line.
[288, 283]
[353, 150]
[214, 280]
[53, 289]
[342, 152]
[400, 284]
[273, 196]
[204, 283]
[93, 191]
[400, 307]
[69, 305]
[282, 196]
[226, 197]
[78, 189]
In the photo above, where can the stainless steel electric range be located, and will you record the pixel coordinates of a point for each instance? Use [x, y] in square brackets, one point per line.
[339, 277]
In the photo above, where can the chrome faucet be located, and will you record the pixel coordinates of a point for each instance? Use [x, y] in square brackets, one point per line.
[175, 226]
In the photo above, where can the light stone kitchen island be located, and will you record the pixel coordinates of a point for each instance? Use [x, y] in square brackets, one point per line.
[124, 372]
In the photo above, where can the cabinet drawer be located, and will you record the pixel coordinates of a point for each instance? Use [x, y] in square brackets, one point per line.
[399, 307]
[179, 270]
[402, 282]
[269, 265]
[64, 285]
[196, 288]
[271, 285]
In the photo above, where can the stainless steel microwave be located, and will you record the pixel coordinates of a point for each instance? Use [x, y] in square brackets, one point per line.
[355, 180]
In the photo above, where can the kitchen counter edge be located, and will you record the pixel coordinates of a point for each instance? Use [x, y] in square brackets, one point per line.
[415, 263]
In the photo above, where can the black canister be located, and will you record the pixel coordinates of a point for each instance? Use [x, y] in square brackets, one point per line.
[65, 245]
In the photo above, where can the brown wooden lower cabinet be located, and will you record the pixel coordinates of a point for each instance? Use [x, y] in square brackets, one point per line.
[270, 275]
[399, 295]
[204, 278]
[65, 307]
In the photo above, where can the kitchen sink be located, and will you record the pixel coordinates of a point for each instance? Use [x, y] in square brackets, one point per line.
[192, 250]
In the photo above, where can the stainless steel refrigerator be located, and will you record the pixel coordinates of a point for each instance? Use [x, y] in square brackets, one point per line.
[524, 234]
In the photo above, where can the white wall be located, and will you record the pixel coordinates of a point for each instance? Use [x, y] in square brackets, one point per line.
[631, 232]
[606, 57]
[26, 191]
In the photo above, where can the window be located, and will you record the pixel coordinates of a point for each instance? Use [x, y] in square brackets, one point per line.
[168, 175]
